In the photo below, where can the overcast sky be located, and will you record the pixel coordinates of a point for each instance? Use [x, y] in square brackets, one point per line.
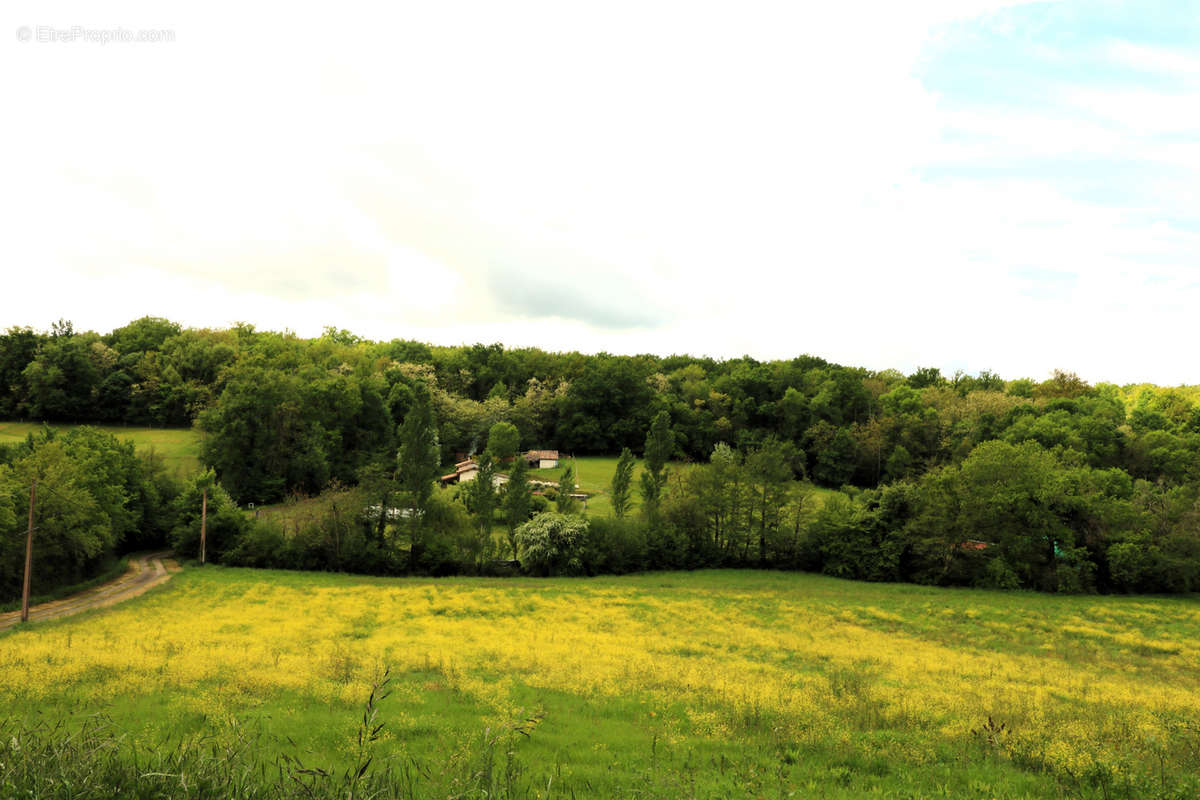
[956, 183]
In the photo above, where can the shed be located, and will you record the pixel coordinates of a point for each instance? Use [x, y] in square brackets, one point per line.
[542, 459]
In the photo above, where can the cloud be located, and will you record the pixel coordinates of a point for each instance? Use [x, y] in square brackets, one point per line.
[880, 185]
[1178, 64]
[585, 299]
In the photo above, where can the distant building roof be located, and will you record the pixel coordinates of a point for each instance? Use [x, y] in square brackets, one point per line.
[551, 455]
[459, 469]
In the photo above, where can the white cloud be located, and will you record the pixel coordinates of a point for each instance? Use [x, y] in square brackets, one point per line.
[630, 177]
[1178, 65]
[1141, 111]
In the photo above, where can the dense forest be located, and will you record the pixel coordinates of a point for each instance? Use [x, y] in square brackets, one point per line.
[1055, 485]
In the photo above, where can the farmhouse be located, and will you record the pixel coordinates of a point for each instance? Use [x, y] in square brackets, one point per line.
[542, 459]
[465, 471]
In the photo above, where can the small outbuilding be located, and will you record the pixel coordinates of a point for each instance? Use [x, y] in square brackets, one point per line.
[542, 459]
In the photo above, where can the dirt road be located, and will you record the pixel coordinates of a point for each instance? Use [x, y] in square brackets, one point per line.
[145, 572]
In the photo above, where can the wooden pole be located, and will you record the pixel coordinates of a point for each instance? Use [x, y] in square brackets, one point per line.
[203, 521]
[28, 554]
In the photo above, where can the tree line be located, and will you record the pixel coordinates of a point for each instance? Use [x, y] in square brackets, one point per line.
[962, 479]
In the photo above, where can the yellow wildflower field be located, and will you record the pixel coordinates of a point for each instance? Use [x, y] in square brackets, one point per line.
[1056, 691]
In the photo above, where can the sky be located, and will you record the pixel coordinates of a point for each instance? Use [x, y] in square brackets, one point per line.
[964, 184]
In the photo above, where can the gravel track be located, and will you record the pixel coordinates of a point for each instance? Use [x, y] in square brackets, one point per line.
[145, 572]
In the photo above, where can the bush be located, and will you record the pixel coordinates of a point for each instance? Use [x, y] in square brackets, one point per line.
[1127, 564]
[614, 546]
[263, 545]
[863, 541]
[999, 575]
[552, 544]
[225, 529]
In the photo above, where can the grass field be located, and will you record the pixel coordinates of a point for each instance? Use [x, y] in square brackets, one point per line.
[179, 447]
[294, 514]
[708, 684]
[594, 476]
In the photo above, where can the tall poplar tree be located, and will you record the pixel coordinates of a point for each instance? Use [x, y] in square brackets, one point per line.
[418, 469]
[659, 445]
[482, 500]
[622, 482]
[517, 500]
[566, 485]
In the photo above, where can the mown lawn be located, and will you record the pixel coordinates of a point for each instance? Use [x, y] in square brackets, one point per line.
[707, 684]
[179, 448]
[594, 476]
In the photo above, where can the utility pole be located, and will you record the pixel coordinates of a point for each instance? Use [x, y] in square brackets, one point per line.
[203, 520]
[28, 554]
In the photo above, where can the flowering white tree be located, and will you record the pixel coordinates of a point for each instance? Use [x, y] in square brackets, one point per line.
[552, 544]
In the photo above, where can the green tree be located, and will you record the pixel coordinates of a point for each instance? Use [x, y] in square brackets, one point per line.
[482, 501]
[418, 469]
[503, 440]
[660, 444]
[1061, 384]
[112, 474]
[622, 483]
[378, 481]
[793, 413]
[18, 348]
[224, 527]
[1020, 387]
[605, 406]
[926, 376]
[62, 380]
[725, 497]
[864, 539]
[147, 333]
[517, 501]
[769, 471]
[261, 438]
[1028, 507]
[71, 531]
[836, 458]
[898, 464]
[552, 544]
[566, 486]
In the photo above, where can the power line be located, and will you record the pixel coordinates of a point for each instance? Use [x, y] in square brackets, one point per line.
[69, 501]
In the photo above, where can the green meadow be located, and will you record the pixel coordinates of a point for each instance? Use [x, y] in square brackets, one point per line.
[179, 448]
[707, 684]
